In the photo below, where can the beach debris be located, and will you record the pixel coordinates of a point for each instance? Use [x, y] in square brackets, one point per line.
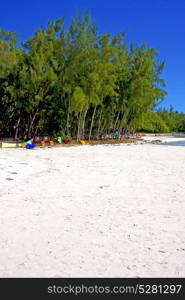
[156, 142]
[23, 145]
[30, 146]
[51, 143]
[8, 145]
[162, 251]
[103, 186]
[59, 139]
[66, 141]
[82, 142]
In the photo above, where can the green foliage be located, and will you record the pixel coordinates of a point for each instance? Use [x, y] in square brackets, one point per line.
[79, 100]
[174, 120]
[152, 122]
[162, 121]
[79, 82]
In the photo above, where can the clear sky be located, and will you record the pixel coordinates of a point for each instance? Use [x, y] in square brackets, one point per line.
[161, 23]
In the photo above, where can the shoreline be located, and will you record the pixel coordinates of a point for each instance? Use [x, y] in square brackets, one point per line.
[163, 138]
[147, 138]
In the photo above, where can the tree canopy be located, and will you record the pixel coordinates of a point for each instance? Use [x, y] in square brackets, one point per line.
[76, 82]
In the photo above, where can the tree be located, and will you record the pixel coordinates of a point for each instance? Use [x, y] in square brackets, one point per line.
[76, 82]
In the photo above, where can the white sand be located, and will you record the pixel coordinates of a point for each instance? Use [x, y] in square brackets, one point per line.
[93, 211]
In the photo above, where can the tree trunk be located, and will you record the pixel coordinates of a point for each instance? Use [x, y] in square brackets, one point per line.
[17, 128]
[31, 123]
[35, 132]
[121, 123]
[112, 120]
[78, 132]
[92, 121]
[99, 124]
[68, 116]
[104, 127]
[83, 125]
[117, 118]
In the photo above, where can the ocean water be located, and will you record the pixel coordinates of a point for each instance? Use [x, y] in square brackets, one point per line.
[177, 143]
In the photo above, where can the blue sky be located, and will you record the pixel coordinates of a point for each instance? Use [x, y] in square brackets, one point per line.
[161, 23]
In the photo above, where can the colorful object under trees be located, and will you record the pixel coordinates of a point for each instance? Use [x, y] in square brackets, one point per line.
[23, 145]
[66, 141]
[30, 146]
[51, 143]
[59, 139]
[82, 142]
[8, 145]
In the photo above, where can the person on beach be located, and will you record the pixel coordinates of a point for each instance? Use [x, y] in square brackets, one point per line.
[116, 134]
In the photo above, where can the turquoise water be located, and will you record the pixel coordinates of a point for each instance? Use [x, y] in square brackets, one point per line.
[178, 143]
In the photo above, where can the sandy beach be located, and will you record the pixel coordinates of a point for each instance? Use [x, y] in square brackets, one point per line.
[93, 211]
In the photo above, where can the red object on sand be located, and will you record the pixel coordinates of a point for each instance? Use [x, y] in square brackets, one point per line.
[66, 141]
